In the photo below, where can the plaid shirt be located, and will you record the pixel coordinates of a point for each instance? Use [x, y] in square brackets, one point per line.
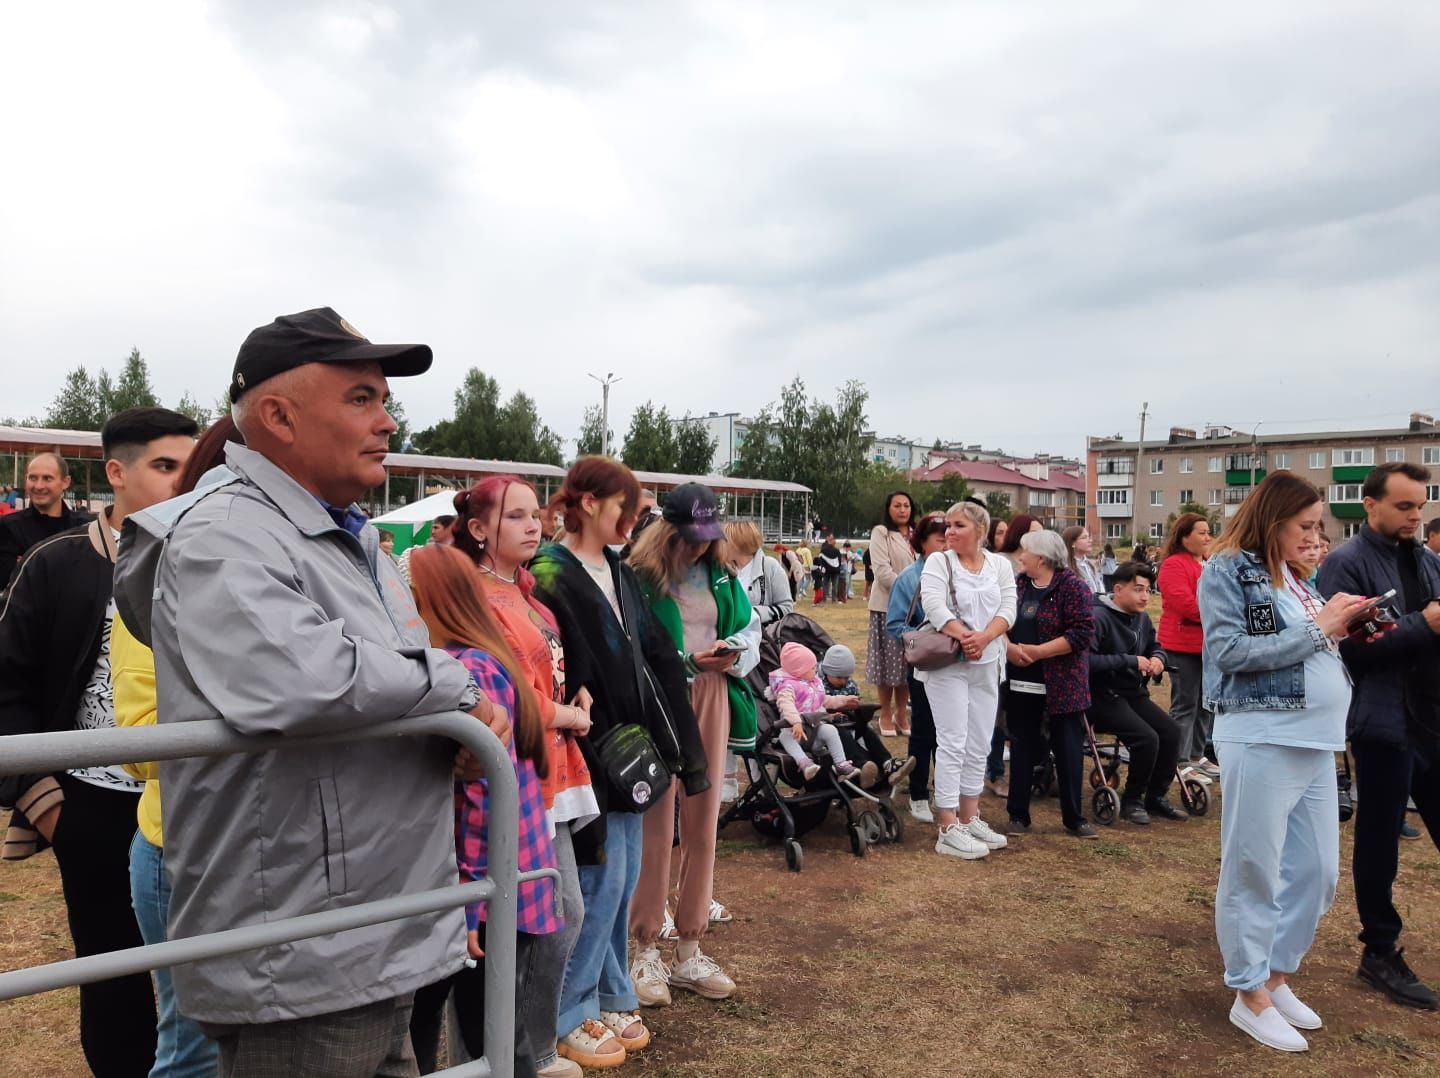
[535, 904]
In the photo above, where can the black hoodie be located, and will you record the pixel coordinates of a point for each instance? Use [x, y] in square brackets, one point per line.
[1119, 639]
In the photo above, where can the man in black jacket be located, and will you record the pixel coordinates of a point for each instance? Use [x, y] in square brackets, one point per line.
[1123, 659]
[55, 675]
[1394, 710]
[47, 478]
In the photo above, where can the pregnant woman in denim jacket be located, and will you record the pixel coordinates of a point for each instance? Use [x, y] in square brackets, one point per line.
[1273, 675]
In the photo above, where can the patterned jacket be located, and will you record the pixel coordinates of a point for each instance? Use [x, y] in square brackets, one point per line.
[535, 903]
[1067, 610]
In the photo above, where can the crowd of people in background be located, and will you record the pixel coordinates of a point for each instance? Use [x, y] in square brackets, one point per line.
[233, 578]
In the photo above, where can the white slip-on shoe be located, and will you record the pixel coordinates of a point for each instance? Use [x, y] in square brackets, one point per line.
[981, 831]
[956, 841]
[920, 810]
[1267, 1027]
[1292, 1010]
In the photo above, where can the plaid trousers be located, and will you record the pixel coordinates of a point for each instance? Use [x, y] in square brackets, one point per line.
[372, 1041]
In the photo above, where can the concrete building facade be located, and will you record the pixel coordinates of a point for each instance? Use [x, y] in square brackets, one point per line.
[1131, 490]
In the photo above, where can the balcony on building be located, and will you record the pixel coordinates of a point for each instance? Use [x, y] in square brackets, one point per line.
[1115, 472]
[1243, 469]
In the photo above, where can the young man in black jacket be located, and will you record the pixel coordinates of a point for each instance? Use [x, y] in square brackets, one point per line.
[1123, 659]
[1394, 710]
[55, 675]
[46, 480]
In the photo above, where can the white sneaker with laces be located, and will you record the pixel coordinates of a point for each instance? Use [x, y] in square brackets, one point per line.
[920, 810]
[1267, 1027]
[651, 978]
[983, 832]
[1292, 1010]
[955, 841]
[702, 975]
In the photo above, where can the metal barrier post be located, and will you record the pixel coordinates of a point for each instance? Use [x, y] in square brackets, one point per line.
[42, 753]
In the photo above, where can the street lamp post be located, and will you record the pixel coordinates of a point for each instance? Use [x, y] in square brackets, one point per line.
[1254, 444]
[605, 384]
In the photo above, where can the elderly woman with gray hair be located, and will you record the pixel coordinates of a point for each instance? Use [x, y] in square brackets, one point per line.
[1049, 670]
[968, 594]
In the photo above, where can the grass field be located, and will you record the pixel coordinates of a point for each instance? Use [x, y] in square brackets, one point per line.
[1054, 956]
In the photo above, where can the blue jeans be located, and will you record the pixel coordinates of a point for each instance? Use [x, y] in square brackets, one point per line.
[181, 1050]
[597, 977]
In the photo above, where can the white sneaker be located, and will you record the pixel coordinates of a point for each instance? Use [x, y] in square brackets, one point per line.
[920, 810]
[651, 978]
[983, 832]
[955, 841]
[1292, 1010]
[702, 975]
[1188, 772]
[1267, 1027]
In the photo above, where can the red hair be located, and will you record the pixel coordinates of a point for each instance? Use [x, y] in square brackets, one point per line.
[601, 478]
[449, 597]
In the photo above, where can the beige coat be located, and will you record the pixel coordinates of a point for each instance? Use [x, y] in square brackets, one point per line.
[890, 555]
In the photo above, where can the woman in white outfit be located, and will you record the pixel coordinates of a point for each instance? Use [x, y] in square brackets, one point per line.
[968, 593]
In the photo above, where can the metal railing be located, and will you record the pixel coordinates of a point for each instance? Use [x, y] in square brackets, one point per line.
[42, 753]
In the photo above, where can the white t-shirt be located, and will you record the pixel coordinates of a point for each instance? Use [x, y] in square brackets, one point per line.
[97, 712]
[604, 580]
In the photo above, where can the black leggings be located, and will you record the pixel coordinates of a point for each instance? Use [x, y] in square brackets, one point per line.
[469, 987]
[1025, 713]
[922, 737]
[1151, 735]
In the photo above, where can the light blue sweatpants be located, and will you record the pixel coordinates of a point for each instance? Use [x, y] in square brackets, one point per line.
[1279, 856]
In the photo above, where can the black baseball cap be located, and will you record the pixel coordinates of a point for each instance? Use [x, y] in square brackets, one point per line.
[695, 513]
[318, 336]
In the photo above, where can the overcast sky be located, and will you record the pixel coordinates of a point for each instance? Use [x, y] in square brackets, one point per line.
[1014, 221]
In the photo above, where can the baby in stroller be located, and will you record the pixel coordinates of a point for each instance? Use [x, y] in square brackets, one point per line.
[800, 698]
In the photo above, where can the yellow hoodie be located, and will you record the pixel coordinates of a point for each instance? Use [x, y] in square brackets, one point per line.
[132, 673]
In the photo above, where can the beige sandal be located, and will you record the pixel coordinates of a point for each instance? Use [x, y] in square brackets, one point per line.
[617, 1022]
[584, 1045]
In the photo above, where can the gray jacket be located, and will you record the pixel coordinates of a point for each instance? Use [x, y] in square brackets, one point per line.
[264, 613]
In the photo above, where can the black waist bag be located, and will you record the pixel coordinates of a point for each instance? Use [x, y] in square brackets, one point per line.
[632, 766]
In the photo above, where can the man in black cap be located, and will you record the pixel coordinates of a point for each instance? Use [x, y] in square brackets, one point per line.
[269, 606]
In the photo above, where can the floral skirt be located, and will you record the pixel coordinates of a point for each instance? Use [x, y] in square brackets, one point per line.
[884, 655]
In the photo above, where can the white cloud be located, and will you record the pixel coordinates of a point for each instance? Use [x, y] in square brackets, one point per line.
[1014, 222]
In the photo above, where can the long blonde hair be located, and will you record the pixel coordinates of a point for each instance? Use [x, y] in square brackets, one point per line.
[659, 556]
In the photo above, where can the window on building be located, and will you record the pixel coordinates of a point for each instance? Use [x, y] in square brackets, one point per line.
[1215, 496]
[1282, 460]
[1345, 493]
[1187, 496]
[1186, 465]
[1114, 531]
[1115, 466]
[1393, 456]
[1350, 529]
[1432, 492]
[1157, 531]
[1157, 498]
[1317, 460]
[1430, 454]
[1105, 496]
[1353, 457]
[1217, 464]
[1157, 465]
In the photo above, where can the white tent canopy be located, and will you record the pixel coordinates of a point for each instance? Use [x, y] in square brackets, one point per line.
[421, 512]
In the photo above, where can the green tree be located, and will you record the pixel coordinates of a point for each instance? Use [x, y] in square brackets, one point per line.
[650, 441]
[194, 409]
[939, 496]
[399, 440]
[133, 388]
[467, 432]
[998, 503]
[694, 448]
[77, 406]
[592, 433]
[755, 456]
[520, 435]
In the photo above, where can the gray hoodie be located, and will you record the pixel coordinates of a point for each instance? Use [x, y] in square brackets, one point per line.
[264, 613]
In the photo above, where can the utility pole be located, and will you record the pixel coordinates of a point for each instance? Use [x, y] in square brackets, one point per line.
[605, 384]
[1139, 460]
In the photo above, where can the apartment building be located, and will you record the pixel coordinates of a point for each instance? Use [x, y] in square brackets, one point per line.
[727, 430]
[1131, 490]
[902, 454]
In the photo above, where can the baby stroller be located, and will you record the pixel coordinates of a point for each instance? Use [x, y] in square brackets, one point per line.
[768, 766]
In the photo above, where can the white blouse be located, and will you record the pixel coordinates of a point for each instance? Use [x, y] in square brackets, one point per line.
[949, 591]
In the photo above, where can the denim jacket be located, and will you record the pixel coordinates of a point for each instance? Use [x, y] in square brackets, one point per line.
[1253, 660]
